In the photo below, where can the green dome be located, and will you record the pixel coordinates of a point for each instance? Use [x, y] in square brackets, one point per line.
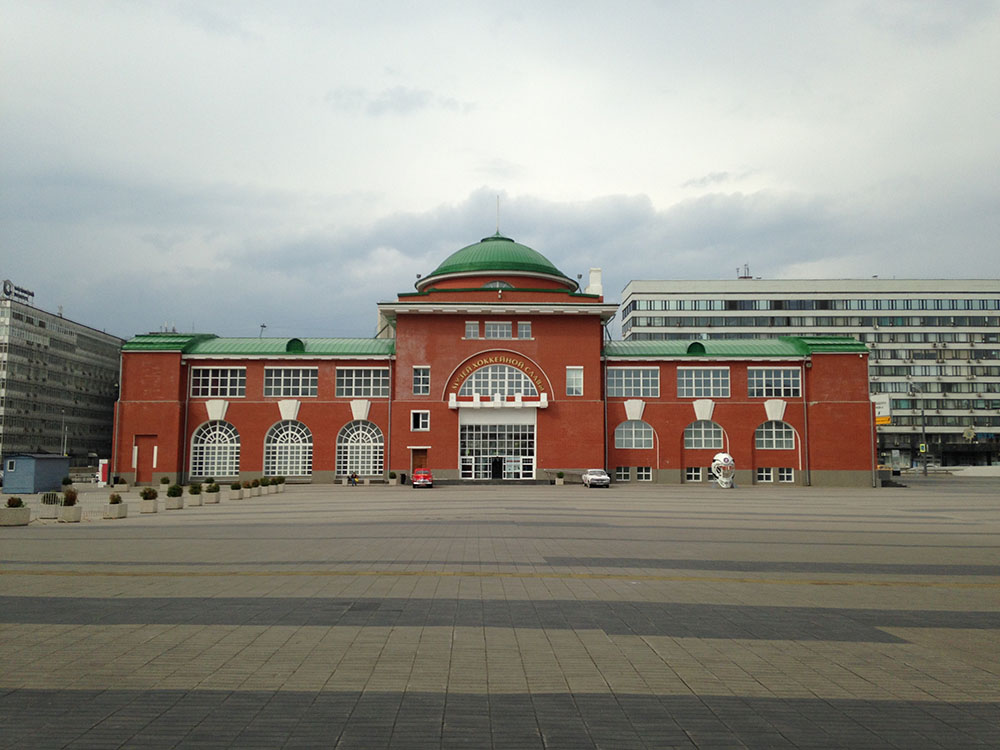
[496, 254]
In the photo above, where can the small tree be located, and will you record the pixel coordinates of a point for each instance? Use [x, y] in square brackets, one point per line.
[69, 496]
[115, 499]
[66, 481]
[148, 493]
[194, 488]
[175, 490]
[15, 502]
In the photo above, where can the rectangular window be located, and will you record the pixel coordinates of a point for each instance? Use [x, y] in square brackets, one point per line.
[472, 329]
[420, 421]
[622, 474]
[10, 465]
[634, 382]
[692, 474]
[498, 329]
[290, 382]
[786, 475]
[702, 382]
[773, 382]
[362, 382]
[421, 381]
[574, 381]
[524, 329]
[644, 473]
[218, 382]
[765, 474]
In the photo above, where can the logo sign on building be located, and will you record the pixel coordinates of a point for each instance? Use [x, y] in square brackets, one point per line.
[17, 293]
[497, 359]
[883, 409]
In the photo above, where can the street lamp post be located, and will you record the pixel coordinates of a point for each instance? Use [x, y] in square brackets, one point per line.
[916, 391]
[64, 432]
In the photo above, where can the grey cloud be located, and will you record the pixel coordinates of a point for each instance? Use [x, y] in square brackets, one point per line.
[398, 100]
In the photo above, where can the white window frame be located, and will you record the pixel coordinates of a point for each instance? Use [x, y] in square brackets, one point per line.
[644, 473]
[498, 329]
[693, 474]
[786, 475]
[703, 382]
[353, 385]
[774, 435]
[634, 434]
[288, 449]
[623, 473]
[574, 380]
[472, 329]
[633, 382]
[765, 474]
[421, 380]
[10, 464]
[524, 329]
[218, 382]
[291, 382]
[420, 420]
[696, 436]
[774, 382]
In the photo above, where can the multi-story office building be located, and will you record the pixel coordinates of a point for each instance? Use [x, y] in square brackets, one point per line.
[58, 383]
[935, 344]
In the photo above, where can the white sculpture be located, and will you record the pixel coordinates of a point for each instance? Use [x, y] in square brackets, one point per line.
[724, 469]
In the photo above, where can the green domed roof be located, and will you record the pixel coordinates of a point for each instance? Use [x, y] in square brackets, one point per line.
[496, 254]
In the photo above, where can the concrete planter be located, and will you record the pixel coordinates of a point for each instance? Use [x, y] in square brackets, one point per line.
[281, 488]
[16, 516]
[212, 498]
[150, 506]
[116, 510]
[174, 503]
[48, 511]
[255, 492]
[393, 481]
[195, 501]
[560, 481]
[70, 513]
[235, 494]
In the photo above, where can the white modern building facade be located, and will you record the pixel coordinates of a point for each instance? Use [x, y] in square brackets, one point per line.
[58, 383]
[935, 345]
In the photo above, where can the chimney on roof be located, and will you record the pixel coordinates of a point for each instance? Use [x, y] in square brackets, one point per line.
[594, 286]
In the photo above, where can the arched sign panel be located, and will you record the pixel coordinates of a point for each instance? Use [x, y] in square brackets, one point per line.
[526, 366]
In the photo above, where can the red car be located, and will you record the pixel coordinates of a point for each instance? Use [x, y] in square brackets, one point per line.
[422, 478]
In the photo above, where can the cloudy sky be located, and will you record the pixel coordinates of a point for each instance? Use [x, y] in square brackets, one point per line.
[213, 165]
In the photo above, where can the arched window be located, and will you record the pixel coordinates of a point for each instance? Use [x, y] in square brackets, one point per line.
[360, 448]
[288, 450]
[502, 379]
[633, 434]
[703, 434]
[499, 284]
[215, 450]
[775, 435]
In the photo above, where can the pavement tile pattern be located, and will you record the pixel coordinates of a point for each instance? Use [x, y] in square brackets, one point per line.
[510, 617]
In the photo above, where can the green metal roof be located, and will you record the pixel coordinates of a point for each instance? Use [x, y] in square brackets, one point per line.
[496, 254]
[208, 344]
[783, 346]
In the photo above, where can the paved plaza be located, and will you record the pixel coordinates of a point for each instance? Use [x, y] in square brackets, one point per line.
[511, 617]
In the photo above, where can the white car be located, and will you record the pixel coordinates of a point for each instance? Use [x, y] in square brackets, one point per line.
[596, 478]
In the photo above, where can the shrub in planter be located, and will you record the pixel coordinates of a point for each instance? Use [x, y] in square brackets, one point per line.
[15, 513]
[212, 493]
[164, 480]
[175, 497]
[235, 491]
[194, 494]
[255, 483]
[280, 481]
[115, 507]
[255, 487]
[70, 512]
[265, 482]
[149, 496]
[66, 481]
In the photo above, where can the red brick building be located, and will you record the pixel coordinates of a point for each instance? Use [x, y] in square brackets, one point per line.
[496, 368]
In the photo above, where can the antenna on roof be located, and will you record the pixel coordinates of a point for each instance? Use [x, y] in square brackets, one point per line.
[262, 327]
[498, 213]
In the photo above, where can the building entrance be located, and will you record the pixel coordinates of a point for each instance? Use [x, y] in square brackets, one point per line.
[497, 451]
